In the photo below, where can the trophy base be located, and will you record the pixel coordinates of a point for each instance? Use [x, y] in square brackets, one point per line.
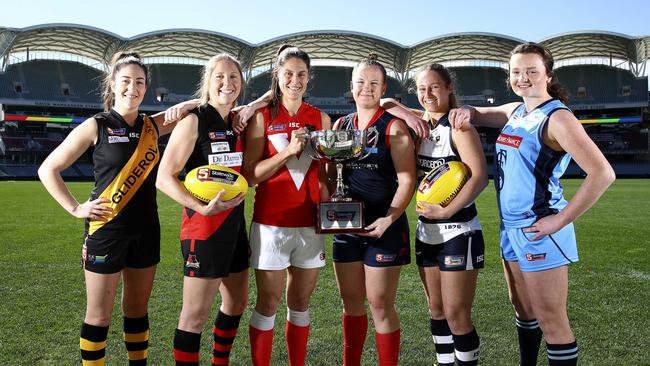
[340, 216]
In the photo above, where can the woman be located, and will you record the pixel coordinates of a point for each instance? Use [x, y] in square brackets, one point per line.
[289, 185]
[537, 141]
[213, 235]
[448, 259]
[122, 231]
[368, 265]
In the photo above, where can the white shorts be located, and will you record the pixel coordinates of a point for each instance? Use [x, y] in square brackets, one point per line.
[276, 248]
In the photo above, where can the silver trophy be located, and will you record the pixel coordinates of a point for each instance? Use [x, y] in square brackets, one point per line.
[340, 214]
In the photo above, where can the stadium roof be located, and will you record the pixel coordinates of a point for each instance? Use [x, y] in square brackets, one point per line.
[336, 47]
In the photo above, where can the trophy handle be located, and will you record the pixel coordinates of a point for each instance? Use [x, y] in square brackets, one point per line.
[339, 192]
[311, 152]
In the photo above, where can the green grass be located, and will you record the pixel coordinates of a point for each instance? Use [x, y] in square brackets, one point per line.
[42, 297]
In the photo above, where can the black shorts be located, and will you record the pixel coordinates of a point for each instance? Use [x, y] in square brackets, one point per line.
[462, 253]
[392, 249]
[108, 253]
[216, 257]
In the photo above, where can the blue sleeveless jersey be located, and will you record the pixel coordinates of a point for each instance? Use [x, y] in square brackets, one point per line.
[527, 176]
[372, 179]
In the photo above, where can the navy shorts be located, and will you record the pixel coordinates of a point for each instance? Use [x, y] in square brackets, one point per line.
[392, 249]
[462, 253]
[216, 257]
[108, 253]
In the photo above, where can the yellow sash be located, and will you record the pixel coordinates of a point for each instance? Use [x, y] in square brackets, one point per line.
[133, 174]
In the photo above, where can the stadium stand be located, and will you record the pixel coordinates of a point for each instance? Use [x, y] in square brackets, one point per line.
[50, 77]
[603, 87]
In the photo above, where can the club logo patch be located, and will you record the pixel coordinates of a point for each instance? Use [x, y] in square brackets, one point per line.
[116, 131]
[277, 127]
[96, 259]
[454, 260]
[192, 262]
[534, 257]
[385, 258]
[217, 135]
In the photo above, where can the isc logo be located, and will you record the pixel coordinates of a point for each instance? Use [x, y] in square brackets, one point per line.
[294, 125]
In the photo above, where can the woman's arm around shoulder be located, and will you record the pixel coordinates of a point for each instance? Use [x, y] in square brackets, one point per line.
[246, 112]
[412, 117]
[494, 117]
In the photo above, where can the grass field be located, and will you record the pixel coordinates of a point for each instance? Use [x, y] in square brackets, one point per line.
[42, 298]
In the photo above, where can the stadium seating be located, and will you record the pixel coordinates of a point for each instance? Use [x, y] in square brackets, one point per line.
[603, 86]
[176, 82]
[69, 89]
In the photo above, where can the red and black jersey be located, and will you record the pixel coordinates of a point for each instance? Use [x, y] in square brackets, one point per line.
[216, 144]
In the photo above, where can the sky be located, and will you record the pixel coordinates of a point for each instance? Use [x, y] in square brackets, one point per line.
[406, 22]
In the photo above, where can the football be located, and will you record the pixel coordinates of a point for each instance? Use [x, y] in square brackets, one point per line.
[206, 181]
[442, 184]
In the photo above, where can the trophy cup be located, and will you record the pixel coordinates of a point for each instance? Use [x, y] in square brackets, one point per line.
[340, 214]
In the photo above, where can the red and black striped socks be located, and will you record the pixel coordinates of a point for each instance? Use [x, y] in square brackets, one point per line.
[224, 332]
[186, 348]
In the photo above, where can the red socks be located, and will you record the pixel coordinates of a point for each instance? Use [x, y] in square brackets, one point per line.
[354, 336]
[297, 337]
[388, 348]
[260, 333]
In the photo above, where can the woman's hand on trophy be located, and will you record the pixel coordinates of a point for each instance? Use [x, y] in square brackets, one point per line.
[431, 212]
[377, 228]
[298, 141]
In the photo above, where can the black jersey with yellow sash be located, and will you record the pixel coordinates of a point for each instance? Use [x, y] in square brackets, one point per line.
[125, 161]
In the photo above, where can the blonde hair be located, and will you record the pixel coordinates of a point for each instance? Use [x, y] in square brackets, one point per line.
[203, 91]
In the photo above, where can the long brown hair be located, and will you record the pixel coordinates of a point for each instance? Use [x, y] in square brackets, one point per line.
[285, 52]
[118, 61]
[554, 88]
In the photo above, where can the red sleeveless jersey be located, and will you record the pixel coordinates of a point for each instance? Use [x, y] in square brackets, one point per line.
[289, 197]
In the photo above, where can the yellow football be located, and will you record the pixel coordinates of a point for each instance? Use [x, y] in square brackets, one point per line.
[442, 184]
[206, 181]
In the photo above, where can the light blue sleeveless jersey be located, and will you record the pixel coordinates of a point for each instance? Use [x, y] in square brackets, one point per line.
[527, 176]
